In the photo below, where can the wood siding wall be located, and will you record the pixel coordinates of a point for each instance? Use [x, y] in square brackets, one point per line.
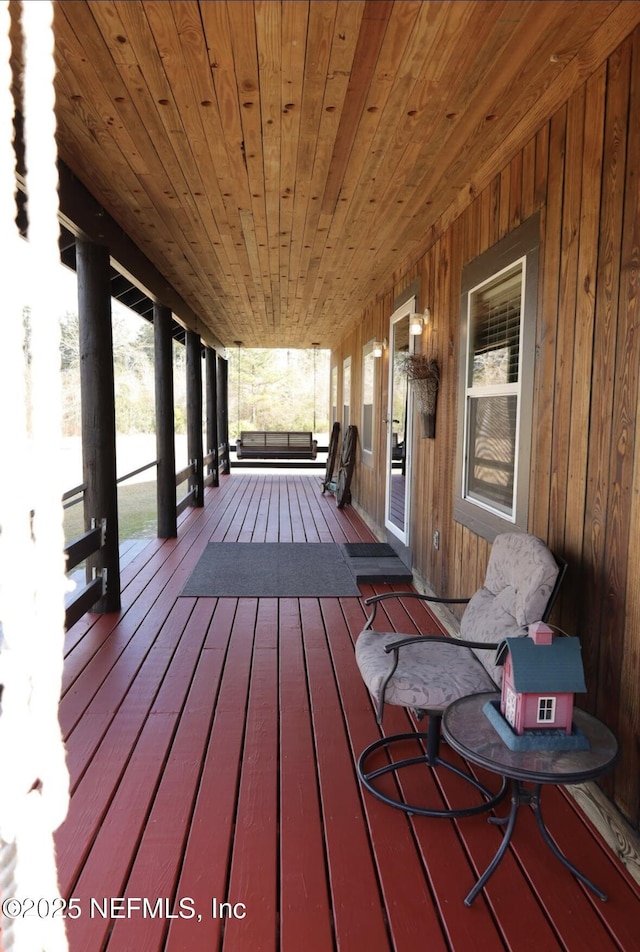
[581, 170]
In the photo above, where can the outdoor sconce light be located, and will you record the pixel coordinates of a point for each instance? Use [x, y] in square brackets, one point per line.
[377, 348]
[418, 321]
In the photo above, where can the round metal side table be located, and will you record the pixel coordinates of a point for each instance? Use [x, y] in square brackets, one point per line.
[468, 731]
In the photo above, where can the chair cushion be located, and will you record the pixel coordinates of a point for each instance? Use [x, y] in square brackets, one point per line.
[428, 676]
[485, 619]
[519, 580]
[521, 572]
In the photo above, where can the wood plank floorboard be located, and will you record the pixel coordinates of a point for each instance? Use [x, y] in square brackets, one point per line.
[215, 804]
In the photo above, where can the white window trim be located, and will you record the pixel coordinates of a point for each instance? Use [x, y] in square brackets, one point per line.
[367, 454]
[524, 242]
[546, 710]
[346, 396]
[334, 394]
[509, 389]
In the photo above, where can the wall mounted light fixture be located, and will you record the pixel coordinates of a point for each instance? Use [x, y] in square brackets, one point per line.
[376, 348]
[417, 322]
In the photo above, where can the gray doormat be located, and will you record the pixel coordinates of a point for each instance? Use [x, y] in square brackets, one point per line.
[272, 569]
[372, 562]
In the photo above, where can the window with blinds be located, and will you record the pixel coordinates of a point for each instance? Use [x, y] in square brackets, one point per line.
[368, 392]
[498, 308]
[493, 387]
[495, 314]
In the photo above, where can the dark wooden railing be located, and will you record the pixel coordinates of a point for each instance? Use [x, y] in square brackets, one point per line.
[188, 498]
[85, 545]
[80, 601]
[211, 474]
[90, 542]
[69, 500]
[224, 467]
[135, 472]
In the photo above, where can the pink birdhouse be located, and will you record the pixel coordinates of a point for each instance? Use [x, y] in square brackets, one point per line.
[541, 676]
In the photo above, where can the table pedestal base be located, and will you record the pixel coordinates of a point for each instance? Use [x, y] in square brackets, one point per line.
[431, 759]
[521, 794]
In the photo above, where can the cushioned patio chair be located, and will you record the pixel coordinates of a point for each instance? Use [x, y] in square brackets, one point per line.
[426, 673]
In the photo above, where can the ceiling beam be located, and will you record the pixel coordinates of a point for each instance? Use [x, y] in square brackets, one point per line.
[84, 217]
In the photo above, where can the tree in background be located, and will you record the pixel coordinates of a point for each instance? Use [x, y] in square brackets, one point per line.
[278, 390]
[133, 369]
[268, 389]
[70, 367]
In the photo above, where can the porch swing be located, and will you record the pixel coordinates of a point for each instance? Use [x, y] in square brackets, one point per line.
[273, 445]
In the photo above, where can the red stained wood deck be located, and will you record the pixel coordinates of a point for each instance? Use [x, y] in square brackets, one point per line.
[211, 745]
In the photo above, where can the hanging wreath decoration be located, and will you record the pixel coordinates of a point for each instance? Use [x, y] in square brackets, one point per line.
[423, 373]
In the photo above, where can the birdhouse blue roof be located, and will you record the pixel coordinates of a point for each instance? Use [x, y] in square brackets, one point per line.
[544, 668]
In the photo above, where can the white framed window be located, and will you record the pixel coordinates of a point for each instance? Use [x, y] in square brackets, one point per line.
[346, 393]
[497, 363]
[510, 707]
[546, 710]
[492, 391]
[368, 402]
[334, 394]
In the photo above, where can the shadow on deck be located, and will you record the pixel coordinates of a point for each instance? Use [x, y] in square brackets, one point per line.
[212, 742]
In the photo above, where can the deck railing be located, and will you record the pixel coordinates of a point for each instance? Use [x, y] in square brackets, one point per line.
[181, 476]
[210, 467]
[85, 545]
[91, 541]
[76, 552]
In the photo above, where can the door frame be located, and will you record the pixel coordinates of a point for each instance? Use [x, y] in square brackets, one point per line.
[404, 310]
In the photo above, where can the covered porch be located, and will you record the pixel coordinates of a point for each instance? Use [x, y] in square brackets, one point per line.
[303, 174]
[212, 746]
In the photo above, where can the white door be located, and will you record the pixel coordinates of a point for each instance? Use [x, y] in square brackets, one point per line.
[399, 426]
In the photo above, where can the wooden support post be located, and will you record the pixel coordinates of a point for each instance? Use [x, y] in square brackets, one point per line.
[223, 415]
[98, 413]
[165, 434]
[211, 361]
[194, 414]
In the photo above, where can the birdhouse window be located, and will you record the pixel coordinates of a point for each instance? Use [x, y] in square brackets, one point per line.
[510, 707]
[546, 710]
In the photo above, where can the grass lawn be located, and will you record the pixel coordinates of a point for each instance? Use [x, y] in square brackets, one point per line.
[137, 517]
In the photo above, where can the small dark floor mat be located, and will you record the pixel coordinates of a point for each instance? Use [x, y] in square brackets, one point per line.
[372, 562]
[369, 550]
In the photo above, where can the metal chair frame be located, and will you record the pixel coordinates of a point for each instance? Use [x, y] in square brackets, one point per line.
[430, 740]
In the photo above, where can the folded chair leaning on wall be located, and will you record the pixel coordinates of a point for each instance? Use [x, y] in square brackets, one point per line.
[426, 673]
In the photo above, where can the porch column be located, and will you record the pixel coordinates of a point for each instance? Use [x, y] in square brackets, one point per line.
[211, 358]
[194, 414]
[98, 413]
[223, 415]
[165, 435]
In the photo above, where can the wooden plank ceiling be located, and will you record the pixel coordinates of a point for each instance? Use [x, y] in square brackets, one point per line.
[278, 161]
